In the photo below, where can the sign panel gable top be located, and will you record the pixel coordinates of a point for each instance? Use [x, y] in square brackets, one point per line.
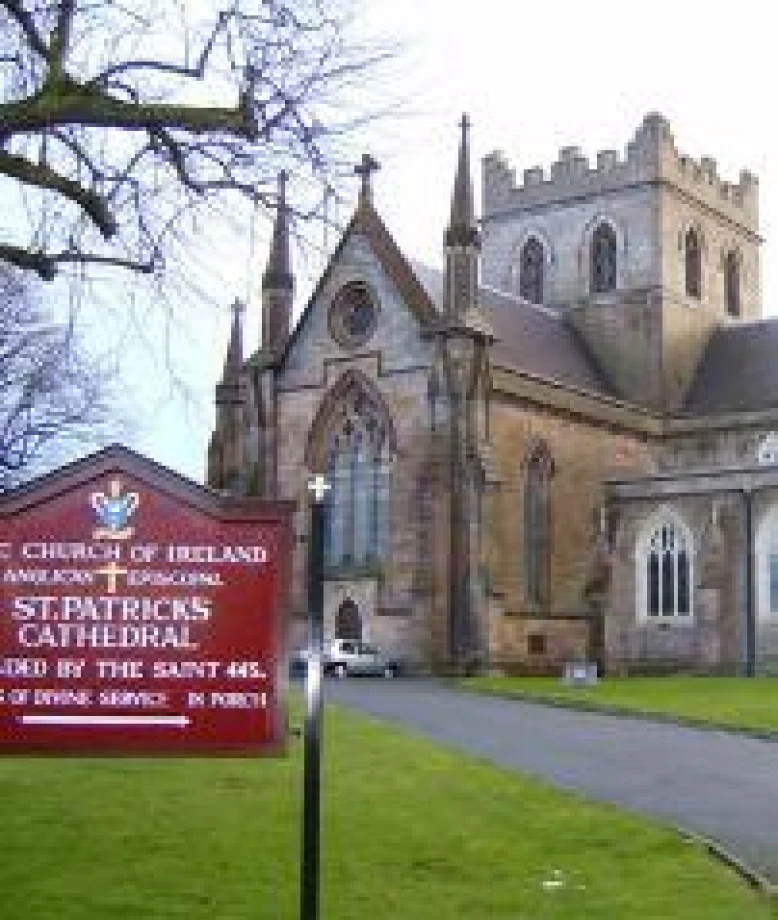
[161, 479]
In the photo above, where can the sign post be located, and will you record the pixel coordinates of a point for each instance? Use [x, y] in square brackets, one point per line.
[309, 882]
[140, 614]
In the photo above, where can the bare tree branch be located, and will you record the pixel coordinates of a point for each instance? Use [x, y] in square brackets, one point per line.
[71, 104]
[40, 174]
[60, 39]
[46, 265]
[26, 21]
[53, 392]
[197, 71]
[28, 260]
[117, 122]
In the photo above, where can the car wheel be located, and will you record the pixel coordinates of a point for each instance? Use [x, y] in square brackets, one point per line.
[340, 670]
[390, 671]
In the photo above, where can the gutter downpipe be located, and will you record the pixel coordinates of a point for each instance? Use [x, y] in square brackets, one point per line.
[750, 624]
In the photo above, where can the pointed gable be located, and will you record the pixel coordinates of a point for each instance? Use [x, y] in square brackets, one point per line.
[367, 224]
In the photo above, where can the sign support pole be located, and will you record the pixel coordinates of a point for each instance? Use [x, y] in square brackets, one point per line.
[309, 882]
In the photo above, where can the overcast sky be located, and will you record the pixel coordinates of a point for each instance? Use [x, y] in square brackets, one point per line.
[533, 77]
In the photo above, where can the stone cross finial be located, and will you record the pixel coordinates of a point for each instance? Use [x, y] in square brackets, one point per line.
[464, 124]
[366, 167]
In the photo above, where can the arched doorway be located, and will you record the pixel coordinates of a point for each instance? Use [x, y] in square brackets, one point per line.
[348, 624]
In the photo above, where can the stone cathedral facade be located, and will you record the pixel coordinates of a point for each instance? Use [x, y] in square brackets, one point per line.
[562, 446]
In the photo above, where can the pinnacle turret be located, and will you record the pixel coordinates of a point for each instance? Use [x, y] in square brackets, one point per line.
[233, 362]
[225, 452]
[463, 229]
[461, 239]
[278, 280]
[278, 274]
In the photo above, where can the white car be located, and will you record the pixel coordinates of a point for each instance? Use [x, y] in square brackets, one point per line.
[346, 656]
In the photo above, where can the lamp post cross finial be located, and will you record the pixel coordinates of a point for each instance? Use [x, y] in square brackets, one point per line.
[318, 487]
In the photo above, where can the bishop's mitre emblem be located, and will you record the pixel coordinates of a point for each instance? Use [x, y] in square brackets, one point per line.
[114, 511]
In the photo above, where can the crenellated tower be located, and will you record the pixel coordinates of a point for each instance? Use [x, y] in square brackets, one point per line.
[646, 253]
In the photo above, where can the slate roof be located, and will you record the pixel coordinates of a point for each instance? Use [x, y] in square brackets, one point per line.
[738, 370]
[530, 339]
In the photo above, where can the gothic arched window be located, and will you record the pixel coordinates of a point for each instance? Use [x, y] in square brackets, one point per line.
[693, 253]
[357, 461]
[732, 283]
[603, 259]
[537, 527]
[665, 571]
[531, 271]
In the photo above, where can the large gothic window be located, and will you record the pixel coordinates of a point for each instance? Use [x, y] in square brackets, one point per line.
[537, 527]
[732, 283]
[603, 259]
[357, 461]
[531, 264]
[665, 572]
[693, 253]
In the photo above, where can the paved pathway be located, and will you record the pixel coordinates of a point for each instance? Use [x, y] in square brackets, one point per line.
[723, 786]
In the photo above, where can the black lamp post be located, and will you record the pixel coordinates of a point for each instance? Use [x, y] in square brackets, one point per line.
[309, 875]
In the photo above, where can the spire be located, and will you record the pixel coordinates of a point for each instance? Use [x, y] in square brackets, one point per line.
[365, 169]
[233, 363]
[278, 274]
[278, 280]
[462, 229]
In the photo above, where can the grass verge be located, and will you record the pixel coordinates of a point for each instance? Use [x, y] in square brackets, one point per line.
[727, 702]
[410, 831]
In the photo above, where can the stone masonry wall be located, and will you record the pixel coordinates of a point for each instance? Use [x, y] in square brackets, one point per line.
[720, 235]
[729, 447]
[626, 340]
[711, 638]
[564, 228]
[583, 455]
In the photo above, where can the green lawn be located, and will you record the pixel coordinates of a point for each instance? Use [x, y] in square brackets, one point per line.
[411, 832]
[725, 701]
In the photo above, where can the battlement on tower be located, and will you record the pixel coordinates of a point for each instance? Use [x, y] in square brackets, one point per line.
[651, 156]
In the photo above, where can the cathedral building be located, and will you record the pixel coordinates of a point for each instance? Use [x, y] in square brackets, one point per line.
[561, 447]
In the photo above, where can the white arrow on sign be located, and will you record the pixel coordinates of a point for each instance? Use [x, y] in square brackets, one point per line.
[123, 721]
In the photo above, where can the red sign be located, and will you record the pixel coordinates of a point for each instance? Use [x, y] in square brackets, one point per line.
[140, 613]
